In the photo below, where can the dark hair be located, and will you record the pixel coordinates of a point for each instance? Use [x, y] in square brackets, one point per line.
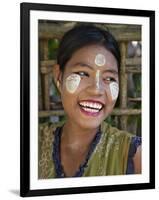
[83, 35]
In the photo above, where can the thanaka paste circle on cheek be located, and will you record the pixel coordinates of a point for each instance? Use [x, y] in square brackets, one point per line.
[100, 60]
[72, 82]
[114, 90]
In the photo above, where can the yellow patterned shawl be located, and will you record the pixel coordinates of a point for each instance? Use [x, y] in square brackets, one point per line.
[109, 157]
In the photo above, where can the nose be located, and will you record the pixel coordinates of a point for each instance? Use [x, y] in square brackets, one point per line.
[96, 86]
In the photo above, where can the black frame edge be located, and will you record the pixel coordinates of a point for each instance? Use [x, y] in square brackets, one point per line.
[86, 9]
[24, 102]
[93, 189]
[152, 98]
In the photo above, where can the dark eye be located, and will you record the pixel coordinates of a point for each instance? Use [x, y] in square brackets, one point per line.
[109, 79]
[82, 74]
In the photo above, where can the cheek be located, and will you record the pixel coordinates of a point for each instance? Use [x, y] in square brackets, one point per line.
[72, 83]
[114, 90]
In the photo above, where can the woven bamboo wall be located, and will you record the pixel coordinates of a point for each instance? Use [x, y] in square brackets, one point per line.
[52, 107]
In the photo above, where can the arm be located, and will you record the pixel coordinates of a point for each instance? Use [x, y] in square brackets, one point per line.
[137, 161]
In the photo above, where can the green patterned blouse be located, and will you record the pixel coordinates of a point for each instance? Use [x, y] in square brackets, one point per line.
[109, 157]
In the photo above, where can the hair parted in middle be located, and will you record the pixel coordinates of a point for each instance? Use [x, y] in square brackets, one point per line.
[83, 35]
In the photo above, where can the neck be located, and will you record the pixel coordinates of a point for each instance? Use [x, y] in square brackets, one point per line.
[75, 137]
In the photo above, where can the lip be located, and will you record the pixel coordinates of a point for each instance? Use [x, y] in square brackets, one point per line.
[91, 114]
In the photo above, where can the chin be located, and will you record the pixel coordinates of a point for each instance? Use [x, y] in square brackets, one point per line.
[90, 124]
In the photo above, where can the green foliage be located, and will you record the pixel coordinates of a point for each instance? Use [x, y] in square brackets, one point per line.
[53, 45]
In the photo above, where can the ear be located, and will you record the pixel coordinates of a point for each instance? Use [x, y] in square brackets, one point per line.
[57, 75]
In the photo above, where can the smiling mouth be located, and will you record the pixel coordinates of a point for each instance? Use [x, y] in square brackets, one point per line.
[91, 107]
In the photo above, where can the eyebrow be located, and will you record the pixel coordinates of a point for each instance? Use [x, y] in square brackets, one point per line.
[83, 65]
[113, 71]
[89, 66]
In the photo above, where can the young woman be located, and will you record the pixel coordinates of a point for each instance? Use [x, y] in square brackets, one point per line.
[87, 76]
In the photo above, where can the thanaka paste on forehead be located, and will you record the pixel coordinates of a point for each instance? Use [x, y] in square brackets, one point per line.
[100, 60]
[72, 82]
[114, 90]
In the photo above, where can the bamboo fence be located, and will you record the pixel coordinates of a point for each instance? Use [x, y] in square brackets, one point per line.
[123, 33]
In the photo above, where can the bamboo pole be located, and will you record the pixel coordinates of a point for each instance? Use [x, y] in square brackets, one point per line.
[123, 85]
[121, 32]
[116, 111]
[45, 76]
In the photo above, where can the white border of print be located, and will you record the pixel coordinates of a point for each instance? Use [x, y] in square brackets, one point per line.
[35, 183]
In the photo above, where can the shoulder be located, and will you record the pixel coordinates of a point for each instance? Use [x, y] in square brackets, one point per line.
[46, 137]
[136, 146]
[125, 138]
[135, 141]
[115, 132]
[47, 128]
[129, 145]
[134, 156]
[118, 139]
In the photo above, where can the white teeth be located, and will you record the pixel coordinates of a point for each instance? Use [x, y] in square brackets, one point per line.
[90, 110]
[98, 106]
[91, 105]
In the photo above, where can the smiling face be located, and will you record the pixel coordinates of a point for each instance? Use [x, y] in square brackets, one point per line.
[89, 86]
